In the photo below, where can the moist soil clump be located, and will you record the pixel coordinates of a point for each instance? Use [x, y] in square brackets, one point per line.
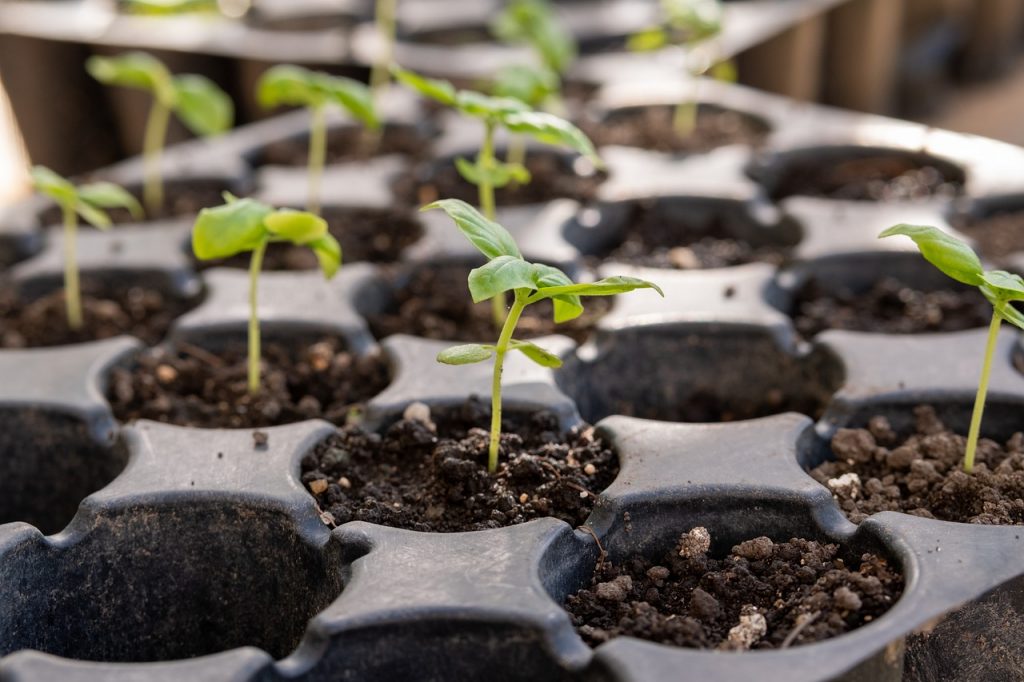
[191, 386]
[877, 470]
[181, 199]
[652, 128]
[107, 311]
[365, 235]
[889, 306]
[997, 235]
[873, 178]
[345, 145]
[551, 177]
[429, 472]
[433, 304]
[762, 595]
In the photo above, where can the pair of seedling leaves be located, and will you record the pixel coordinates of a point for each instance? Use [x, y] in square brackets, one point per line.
[88, 201]
[291, 85]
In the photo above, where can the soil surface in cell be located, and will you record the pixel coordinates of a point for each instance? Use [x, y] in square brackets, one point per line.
[181, 199]
[434, 303]
[878, 470]
[191, 386]
[345, 145]
[997, 235]
[762, 595]
[889, 306]
[552, 176]
[653, 128]
[429, 472]
[872, 178]
[651, 239]
[364, 235]
[107, 311]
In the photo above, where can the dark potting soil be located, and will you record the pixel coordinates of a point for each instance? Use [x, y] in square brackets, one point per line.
[435, 304]
[891, 307]
[652, 128]
[997, 235]
[377, 236]
[346, 144]
[107, 311]
[763, 595]
[181, 199]
[877, 470]
[191, 386]
[429, 472]
[873, 178]
[552, 177]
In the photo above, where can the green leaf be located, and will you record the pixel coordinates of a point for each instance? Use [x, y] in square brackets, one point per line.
[233, 228]
[432, 88]
[551, 129]
[608, 286]
[536, 353]
[202, 106]
[499, 275]
[489, 237]
[96, 217]
[1007, 312]
[950, 255]
[288, 85]
[533, 22]
[134, 70]
[1006, 286]
[328, 254]
[650, 39]
[53, 185]
[566, 306]
[530, 85]
[169, 7]
[725, 71]
[469, 171]
[696, 19]
[467, 354]
[483, 106]
[499, 174]
[350, 94]
[109, 195]
[298, 227]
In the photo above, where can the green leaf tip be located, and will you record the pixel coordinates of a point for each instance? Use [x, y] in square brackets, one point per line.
[950, 255]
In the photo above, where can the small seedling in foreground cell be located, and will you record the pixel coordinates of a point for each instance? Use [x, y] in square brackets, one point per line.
[296, 86]
[507, 270]
[958, 261]
[87, 201]
[203, 107]
[244, 225]
[689, 23]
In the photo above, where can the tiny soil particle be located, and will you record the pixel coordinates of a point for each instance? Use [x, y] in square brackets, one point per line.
[878, 470]
[873, 178]
[553, 176]
[346, 144]
[763, 595]
[319, 380]
[107, 311]
[433, 303]
[652, 128]
[998, 234]
[432, 476]
[181, 199]
[889, 306]
[364, 235]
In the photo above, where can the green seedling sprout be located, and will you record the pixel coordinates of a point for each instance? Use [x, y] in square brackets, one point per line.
[89, 202]
[386, 25]
[203, 107]
[506, 270]
[958, 261]
[296, 86]
[687, 23]
[487, 173]
[244, 225]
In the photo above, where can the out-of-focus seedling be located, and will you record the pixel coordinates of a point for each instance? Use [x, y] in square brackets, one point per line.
[958, 261]
[385, 20]
[88, 201]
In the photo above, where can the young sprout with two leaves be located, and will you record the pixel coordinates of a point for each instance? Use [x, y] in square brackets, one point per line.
[958, 261]
[506, 270]
[687, 23]
[296, 86]
[89, 202]
[244, 225]
[203, 107]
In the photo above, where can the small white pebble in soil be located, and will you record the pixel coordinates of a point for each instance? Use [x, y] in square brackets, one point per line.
[583, 494]
[344, 483]
[846, 599]
[419, 412]
[695, 543]
[752, 627]
[683, 258]
[165, 374]
[590, 469]
[318, 486]
[847, 485]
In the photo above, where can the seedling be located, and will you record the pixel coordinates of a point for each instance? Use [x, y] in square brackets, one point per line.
[533, 22]
[487, 173]
[87, 201]
[687, 23]
[386, 24]
[958, 261]
[296, 86]
[507, 270]
[244, 225]
[203, 107]
[533, 87]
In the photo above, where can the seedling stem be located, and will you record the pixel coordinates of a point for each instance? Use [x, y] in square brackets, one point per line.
[152, 150]
[485, 190]
[509, 327]
[255, 265]
[380, 74]
[317, 156]
[72, 289]
[979, 400]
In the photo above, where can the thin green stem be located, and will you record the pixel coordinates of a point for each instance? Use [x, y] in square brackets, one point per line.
[254, 321]
[485, 189]
[380, 74]
[979, 400]
[516, 153]
[317, 156]
[499, 362]
[72, 290]
[152, 148]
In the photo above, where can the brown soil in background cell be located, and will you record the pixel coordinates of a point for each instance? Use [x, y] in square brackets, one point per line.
[345, 145]
[763, 595]
[429, 473]
[877, 470]
[652, 128]
[997, 235]
[873, 178]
